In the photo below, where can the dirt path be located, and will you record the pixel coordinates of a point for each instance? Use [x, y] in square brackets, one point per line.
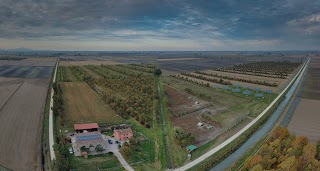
[51, 138]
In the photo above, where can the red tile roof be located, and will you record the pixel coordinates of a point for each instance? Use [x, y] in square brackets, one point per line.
[85, 126]
[123, 131]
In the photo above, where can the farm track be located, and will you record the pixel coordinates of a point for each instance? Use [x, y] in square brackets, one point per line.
[163, 124]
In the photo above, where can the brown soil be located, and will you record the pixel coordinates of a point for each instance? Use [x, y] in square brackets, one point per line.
[182, 102]
[202, 134]
[305, 120]
[311, 89]
[21, 113]
[30, 62]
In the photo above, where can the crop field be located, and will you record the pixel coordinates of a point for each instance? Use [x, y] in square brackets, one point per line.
[205, 63]
[218, 110]
[23, 87]
[272, 77]
[311, 88]
[22, 105]
[305, 120]
[30, 62]
[84, 106]
[306, 116]
[25, 71]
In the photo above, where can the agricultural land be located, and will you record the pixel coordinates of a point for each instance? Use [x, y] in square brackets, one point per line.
[23, 87]
[305, 119]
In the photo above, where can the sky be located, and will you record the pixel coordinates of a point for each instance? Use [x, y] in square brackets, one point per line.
[113, 25]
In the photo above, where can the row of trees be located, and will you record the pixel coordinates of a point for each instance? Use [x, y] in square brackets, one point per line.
[201, 77]
[285, 152]
[139, 67]
[60, 148]
[190, 80]
[238, 79]
[278, 69]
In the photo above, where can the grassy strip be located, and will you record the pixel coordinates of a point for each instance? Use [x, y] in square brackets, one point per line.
[162, 124]
[177, 154]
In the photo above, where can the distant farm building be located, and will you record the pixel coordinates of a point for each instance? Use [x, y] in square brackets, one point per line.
[123, 134]
[91, 127]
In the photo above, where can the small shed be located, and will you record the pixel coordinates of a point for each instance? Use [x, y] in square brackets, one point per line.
[200, 124]
[191, 148]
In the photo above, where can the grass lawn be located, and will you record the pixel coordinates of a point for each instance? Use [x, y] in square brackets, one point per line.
[82, 105]
[104, 161]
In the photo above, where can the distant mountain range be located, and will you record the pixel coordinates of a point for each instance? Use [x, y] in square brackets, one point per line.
[17, 49]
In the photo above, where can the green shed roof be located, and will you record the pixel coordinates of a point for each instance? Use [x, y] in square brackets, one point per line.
[191, 147]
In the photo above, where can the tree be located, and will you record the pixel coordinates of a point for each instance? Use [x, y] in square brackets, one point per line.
[178, 133]
[252, 161]
[83, 149]
[309, 153]
[290, 164]
[132, 141]
[158, 72]
[126, 151]
[99, 148]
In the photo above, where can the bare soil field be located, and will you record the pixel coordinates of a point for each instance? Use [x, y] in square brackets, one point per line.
[21, 121]
[26, 71]
[84, 106]
[202, 134]
[311, 89]
[80, 63]
[305, 120]
[30, 62]
[183, 103]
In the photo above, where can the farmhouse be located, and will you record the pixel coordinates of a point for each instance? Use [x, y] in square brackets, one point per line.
[91, 127]
[123, 134]
[88, 143]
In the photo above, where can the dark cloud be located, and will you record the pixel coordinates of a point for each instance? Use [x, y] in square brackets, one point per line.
[283, 20]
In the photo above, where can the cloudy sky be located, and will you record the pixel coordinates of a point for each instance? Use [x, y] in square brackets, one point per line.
[160, 24]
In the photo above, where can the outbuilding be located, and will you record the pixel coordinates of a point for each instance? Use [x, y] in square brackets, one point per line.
[90, 127]
[191, 148]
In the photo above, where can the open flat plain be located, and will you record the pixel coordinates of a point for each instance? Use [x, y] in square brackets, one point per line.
[23, 89]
